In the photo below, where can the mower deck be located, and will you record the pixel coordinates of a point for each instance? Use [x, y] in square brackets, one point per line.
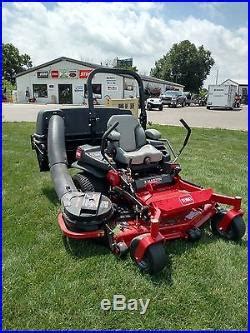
[175, 210]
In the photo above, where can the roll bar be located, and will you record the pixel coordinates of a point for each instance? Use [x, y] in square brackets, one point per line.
[117, 71]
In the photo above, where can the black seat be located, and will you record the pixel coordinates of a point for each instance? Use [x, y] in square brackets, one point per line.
[130, 142]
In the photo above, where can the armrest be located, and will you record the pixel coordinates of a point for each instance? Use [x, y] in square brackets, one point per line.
[114, 136]
[152, 134]
[155, 143]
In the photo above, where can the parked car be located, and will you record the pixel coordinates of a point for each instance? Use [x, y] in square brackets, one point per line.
[154, 103]
[203, 100]
[172, 98]
[189, 97]
[195, 99]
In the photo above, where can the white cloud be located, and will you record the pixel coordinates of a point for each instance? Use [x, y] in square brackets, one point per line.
[98, 31]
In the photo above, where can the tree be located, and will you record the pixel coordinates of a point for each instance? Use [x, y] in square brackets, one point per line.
[185, 64]
[203, 92]
[14, 62]
[8, 86]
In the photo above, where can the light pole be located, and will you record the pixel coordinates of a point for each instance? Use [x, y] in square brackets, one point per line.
[217, 74]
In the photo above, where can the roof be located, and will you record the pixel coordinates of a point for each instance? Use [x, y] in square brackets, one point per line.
[155, 79]
[237, 82]
[55, 61]
[87, 64]
[241, 82]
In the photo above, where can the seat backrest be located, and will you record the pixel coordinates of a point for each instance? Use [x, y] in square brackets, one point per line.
[132, 135]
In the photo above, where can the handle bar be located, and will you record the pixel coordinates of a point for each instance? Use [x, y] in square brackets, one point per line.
[122, 72]
[189, 131]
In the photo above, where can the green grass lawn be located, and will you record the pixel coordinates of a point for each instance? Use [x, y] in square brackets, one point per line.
[45, 287]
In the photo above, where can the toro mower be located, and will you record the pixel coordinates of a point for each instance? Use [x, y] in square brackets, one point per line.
[128, 190]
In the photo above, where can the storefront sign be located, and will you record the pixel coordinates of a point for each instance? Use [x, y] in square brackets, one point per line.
[111, 80]
[111, 83]
[43, 75]
[112, 88]
[72, 74]
[54, 74]
[84, 73]
[64, 74]
[78, 89]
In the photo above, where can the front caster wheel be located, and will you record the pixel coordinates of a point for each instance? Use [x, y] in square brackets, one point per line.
[194, 234]
[154, 260]
[235, 231]
[120, 249]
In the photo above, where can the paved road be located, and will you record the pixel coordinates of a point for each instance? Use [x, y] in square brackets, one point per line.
[194, 116]
[201, 117]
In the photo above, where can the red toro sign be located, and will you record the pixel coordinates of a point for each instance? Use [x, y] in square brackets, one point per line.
[54, 74]
[84, 73]
[186, 200]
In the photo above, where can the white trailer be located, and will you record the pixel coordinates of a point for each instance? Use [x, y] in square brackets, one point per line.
[221, 96]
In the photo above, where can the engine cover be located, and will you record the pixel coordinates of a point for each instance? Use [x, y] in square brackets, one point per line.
[86, 211]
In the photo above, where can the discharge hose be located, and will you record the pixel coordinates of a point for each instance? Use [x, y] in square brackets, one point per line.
[57, 157]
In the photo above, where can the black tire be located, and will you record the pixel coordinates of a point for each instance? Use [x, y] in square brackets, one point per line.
[194, 234]
[149, 107]
[183, 104]
[154, 260]
[161, 108]
[208, 107]
[236, 230]
[87, 183]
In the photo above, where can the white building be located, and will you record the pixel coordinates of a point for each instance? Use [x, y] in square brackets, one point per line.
[242, 88]
[63, 81]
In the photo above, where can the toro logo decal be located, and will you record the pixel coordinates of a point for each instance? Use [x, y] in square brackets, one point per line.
[186, 200]
[155, 180]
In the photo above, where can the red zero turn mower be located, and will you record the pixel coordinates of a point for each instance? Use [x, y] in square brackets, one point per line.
[128, 190]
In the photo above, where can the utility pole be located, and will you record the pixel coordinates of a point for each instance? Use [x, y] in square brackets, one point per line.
[217, 75]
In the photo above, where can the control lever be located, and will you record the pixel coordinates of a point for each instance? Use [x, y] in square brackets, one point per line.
[189, 131]
[104, 140]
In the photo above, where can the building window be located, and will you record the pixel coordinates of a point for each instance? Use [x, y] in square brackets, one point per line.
[244, 91]
[97, 90]
[128, 85]
[40, 90]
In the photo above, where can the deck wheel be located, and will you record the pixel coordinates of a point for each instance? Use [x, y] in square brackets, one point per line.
[154, 260]
[236, 230]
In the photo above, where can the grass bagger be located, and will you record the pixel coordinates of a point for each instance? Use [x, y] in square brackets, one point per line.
[128, 190]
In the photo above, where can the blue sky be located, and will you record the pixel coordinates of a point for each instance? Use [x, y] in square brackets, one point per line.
[229, 14]
[96, 32]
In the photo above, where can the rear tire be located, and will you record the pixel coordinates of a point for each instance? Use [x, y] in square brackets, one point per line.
[208, 107]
